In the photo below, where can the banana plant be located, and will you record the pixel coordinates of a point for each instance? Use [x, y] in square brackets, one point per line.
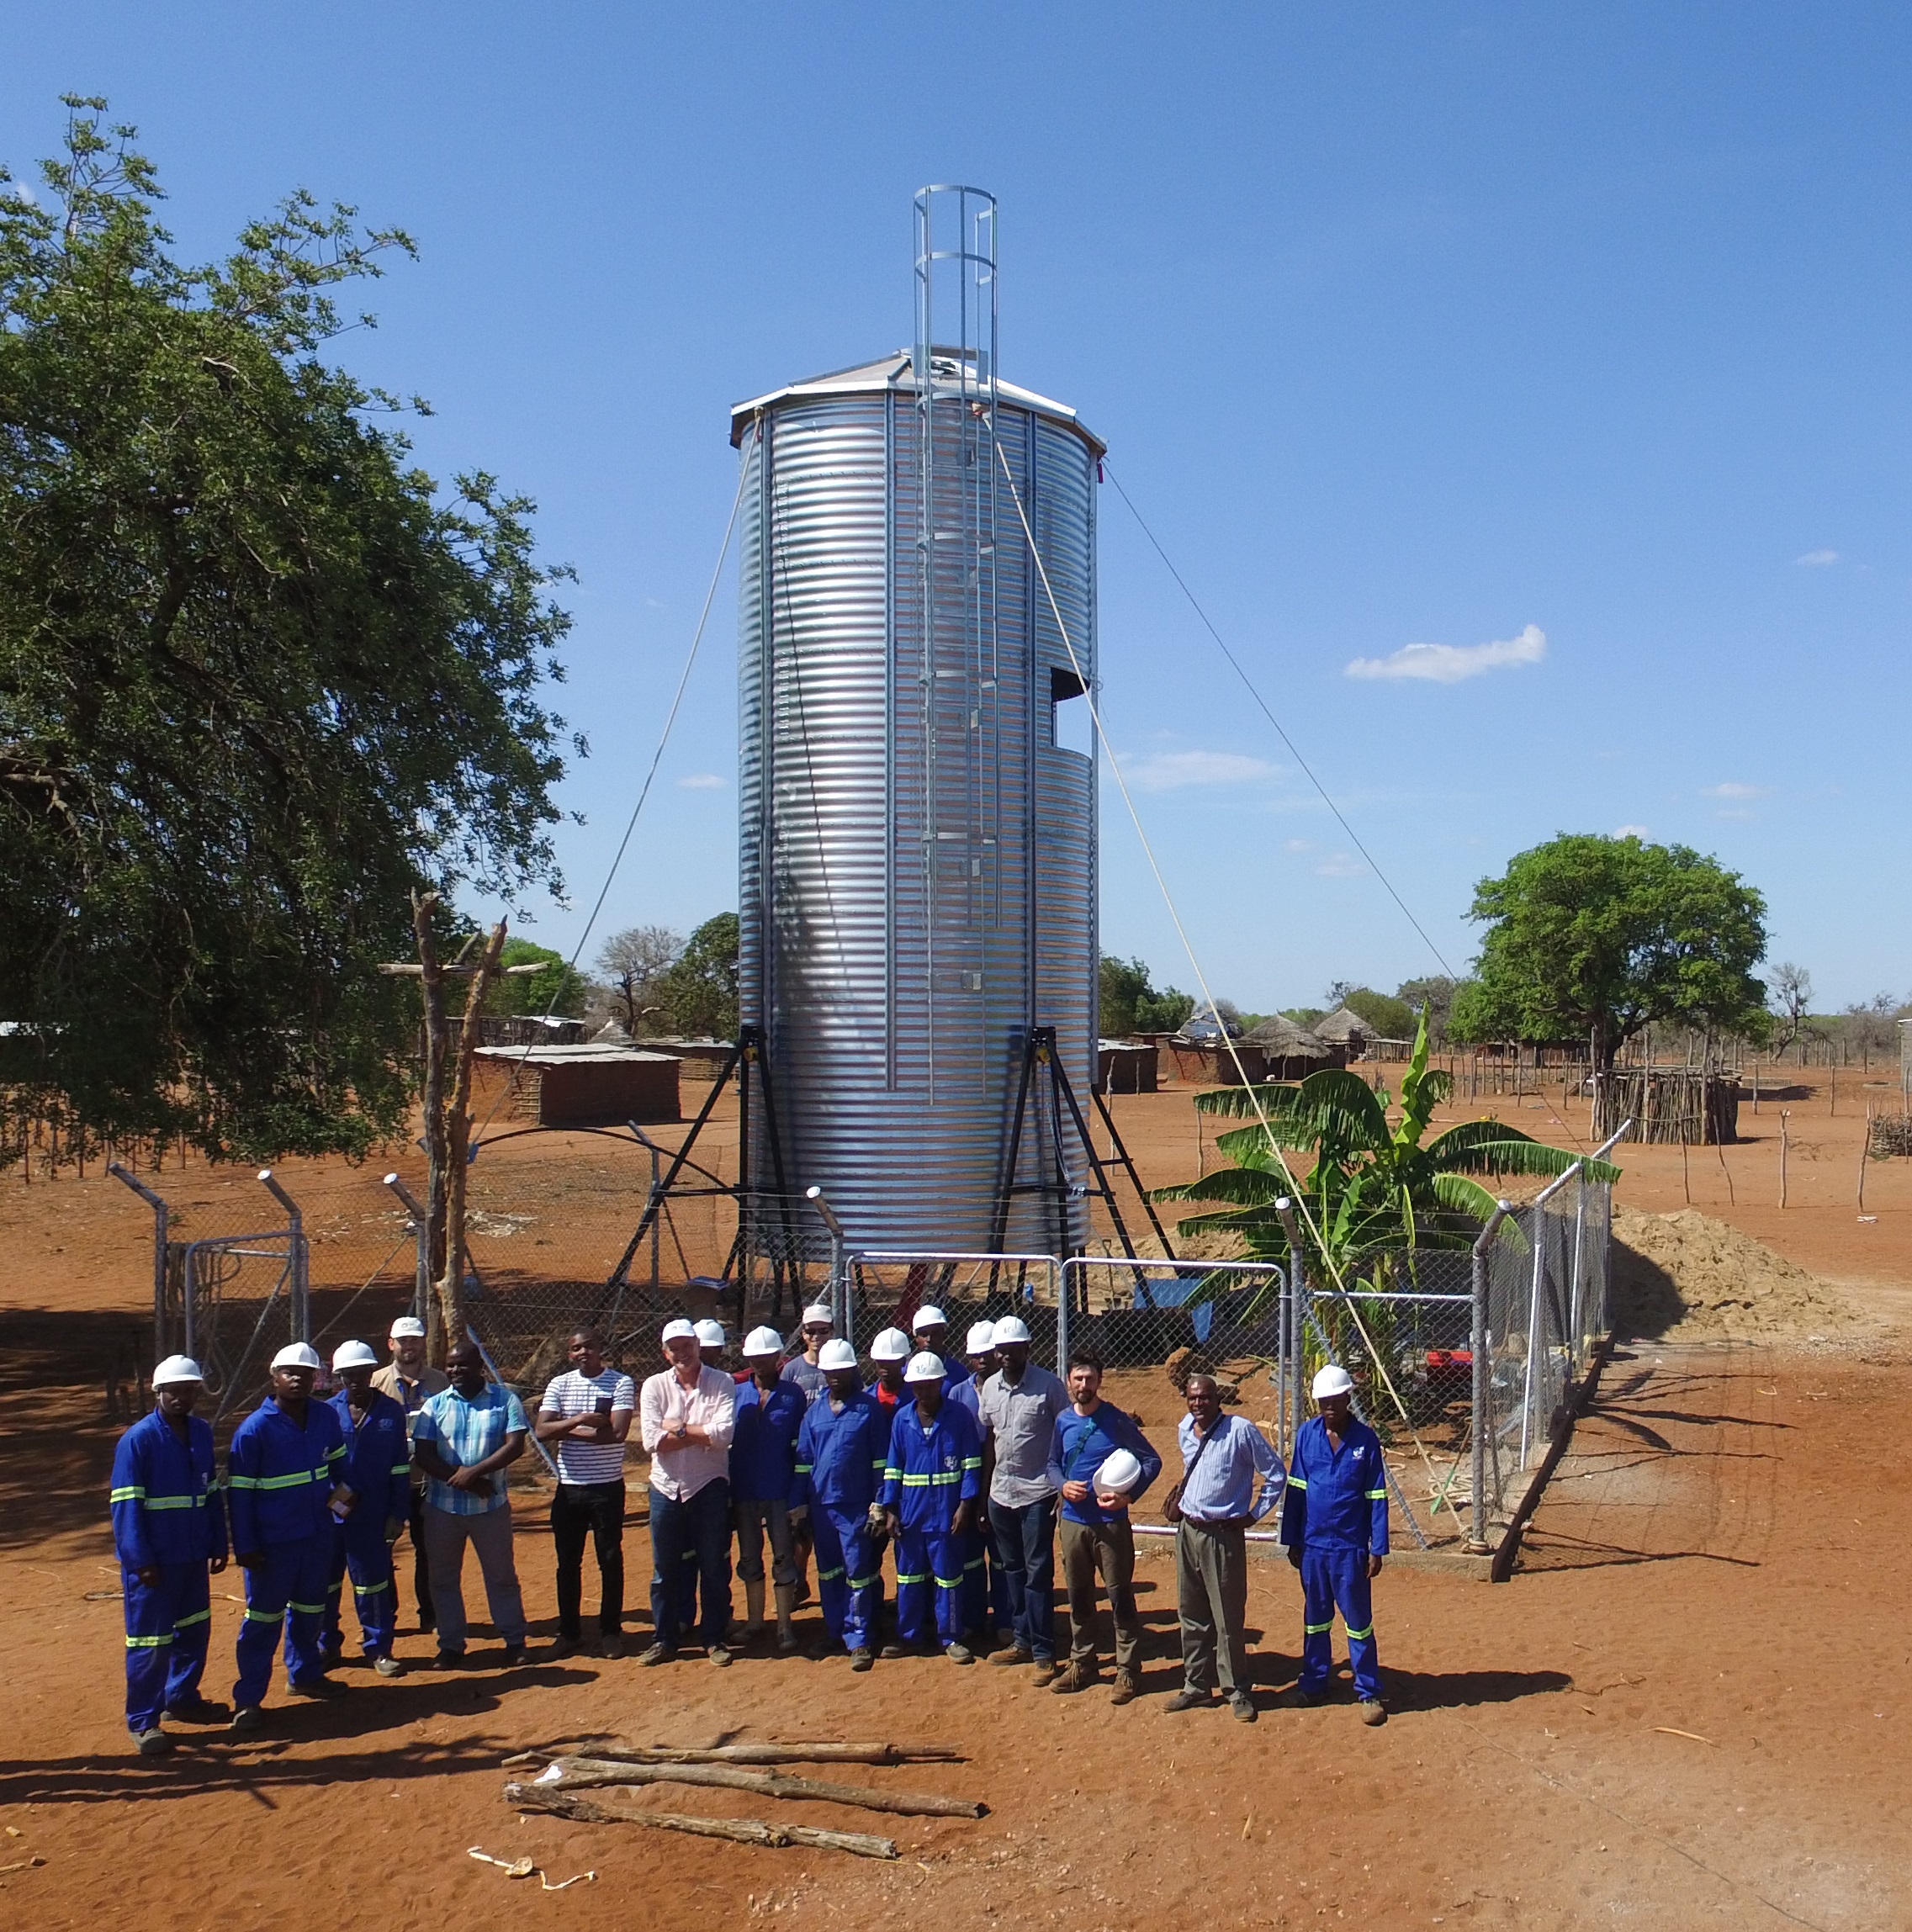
[1371, 1184]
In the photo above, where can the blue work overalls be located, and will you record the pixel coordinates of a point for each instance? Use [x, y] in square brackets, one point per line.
[933, 1468]
[377, 1469]
[1335, 1511]
[279, 1479]
[840, 1454]
[168, 1516]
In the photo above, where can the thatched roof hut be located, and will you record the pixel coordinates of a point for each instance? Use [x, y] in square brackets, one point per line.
[1344, 1027]
[1292, 1051]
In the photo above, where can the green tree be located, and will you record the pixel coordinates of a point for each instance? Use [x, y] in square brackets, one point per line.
[1391, 1019]
[556, 989]
[699, 992]
[1371, 1184]
[1129, 1004]
[259, 678]
[1593, 938]
[1434, 996]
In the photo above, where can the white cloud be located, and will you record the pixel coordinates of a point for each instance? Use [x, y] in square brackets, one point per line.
[1451, 664]
[1172, 770]
[1341, 865]
[1631, 832]
[701, 782]
[1297, 844]
[1731, 812]
[1732, 788]
[1817, 559]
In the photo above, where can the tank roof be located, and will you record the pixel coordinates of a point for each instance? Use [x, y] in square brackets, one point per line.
[898, 372]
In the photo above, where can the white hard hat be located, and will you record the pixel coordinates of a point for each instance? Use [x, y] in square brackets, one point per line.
[1332, 1381]
[763, 1342]
[924, 1368]
[679, 1331]
[298, 1355]
[353, 1355]
[838, 1354]
[929, 1317]
[1120, 1473]
[408, 1327]
[981, 1338]
[892, 1345]
[1011, 1328]
[177, 1369]
[818, 1311]
[710, 1334]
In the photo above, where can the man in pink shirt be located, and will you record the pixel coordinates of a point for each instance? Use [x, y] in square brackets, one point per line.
[686, 1414]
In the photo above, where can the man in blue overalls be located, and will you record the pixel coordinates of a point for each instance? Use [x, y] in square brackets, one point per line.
[1334, 1521]
[841, 1449]
[377, 1469]
[169, 1533]
[930, 1484]
[283, 1480]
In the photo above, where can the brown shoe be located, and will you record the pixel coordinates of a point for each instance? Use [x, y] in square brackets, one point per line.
[1074, 1676]
[1373, 1710]
[1046, 1671]
[1014, 1654]
[1127, 1688]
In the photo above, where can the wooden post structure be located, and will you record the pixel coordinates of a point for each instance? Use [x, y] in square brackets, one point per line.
[446, 1098]
[1864, 1154]
[1785, 1115]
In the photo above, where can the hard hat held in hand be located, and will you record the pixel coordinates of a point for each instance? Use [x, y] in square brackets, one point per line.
[1119, 1474]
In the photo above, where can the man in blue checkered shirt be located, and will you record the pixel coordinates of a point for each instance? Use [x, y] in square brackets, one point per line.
[464, 1439]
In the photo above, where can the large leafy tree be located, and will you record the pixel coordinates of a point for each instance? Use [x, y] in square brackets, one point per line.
[1591, 938]
[1129, 1004]
[1373, 1182]
[260, 678]
[699, 992]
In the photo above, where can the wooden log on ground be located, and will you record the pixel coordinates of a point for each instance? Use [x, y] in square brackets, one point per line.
[742, 1830]
[580, 1774]
[771, 1753]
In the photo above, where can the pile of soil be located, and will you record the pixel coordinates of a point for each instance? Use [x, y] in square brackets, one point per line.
[1688, 1276]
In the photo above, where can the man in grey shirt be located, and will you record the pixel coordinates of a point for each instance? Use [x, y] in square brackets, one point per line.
[1018, 1407]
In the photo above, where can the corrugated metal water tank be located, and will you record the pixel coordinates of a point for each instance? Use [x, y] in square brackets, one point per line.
[918, 854]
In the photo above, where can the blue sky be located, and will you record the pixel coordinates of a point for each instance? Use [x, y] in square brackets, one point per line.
[1576, 332]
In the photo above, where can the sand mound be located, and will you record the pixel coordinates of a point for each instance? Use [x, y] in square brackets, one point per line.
[1687, 1275]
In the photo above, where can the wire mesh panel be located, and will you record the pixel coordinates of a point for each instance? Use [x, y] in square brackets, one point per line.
[887, 1287]
[241, 1306]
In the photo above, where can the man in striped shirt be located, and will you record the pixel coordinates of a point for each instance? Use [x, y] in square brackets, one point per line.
[587, 1411]
[464, 1438]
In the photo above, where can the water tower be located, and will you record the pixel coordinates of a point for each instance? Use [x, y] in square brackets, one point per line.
[917, 780]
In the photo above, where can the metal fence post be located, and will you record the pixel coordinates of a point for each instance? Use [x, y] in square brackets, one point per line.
[162, 1216]
[1059, 1273]
[421, 1238]
[1297, 1308]
[1482, 1417]
[296, 1259]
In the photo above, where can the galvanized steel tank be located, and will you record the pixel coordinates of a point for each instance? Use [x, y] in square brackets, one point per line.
[918, 854]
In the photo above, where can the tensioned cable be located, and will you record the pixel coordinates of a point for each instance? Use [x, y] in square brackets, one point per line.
[1235, 664]
[1297, 1194]
[657, 758]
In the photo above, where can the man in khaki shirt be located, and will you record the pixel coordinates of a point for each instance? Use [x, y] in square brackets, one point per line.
[408, 1379]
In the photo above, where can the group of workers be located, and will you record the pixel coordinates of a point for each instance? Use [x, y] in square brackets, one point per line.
[967, 1473]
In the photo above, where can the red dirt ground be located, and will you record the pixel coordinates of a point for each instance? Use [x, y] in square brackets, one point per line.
[1688, 1707]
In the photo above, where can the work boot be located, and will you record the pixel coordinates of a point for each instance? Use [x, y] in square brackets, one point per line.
[320, 1687]
[1128, 1688]
[861, 1660]
[1075, 1677]
[1242, 1707]
[785, 1611]
[959, 1653]
[1046, 1671]
[719, 1656]
[388, 1666]
[753, 1612]
[247, 1718]
[659, 1653]
[1014, 1653]
[153, 1743]
[1373, 1710]
[198, 1711]
[1187, 1700]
